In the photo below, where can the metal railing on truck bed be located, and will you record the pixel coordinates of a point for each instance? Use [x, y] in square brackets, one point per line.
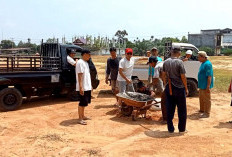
[14, 63]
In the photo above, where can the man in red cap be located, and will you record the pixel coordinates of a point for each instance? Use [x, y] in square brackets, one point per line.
[126, 66]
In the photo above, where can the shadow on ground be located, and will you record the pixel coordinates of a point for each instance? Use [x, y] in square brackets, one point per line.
[69, 122]
[128, 120]
[42, 101]
[161, 134]
[104, 106]
[194, 116]
[105, 94]
[224, 125]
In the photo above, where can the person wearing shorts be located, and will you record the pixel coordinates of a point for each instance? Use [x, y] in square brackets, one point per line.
[83, 85]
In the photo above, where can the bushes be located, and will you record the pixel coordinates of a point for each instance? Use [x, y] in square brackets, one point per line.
[227, 51]
[208, 50]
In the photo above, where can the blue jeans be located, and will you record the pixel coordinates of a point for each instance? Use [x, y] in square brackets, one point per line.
[123, 87]
[178, 98]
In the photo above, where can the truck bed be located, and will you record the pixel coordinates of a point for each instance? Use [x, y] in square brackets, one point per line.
[13, 63]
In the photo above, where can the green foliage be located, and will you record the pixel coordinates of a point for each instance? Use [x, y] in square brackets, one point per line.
[141, 47]
[208, 50]
[51, 40]
[166, 39]
[227, 52]
[121, 34]
[6, 44]
[34, 47]
[129, 44]
[184, 40]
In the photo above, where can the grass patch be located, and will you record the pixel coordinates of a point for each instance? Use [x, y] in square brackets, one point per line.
[222, 79]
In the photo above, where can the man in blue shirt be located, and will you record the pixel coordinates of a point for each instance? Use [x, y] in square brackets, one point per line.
[205, 83]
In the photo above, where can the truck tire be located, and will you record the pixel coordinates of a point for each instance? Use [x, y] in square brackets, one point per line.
[10, 99]
[192, 88]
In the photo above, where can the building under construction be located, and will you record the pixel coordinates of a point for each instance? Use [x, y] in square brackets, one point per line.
[213, 38]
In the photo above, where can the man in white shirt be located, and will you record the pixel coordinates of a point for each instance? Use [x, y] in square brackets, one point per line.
[70, 56]
[126, 66]
[83, 85]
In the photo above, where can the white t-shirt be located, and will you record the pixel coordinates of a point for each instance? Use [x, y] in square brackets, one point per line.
[83, 67]
[127, 67]
[70, 60]
[158, 68]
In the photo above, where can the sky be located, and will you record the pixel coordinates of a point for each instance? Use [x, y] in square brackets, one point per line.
[42, 19]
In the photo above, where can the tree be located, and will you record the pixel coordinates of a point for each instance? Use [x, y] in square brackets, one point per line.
[6, 44]
[184, 40]
[20, 44]
[121, 34]
[51, 40]
[129, 44]
[141, 47]
[121, 37]
[28, 44]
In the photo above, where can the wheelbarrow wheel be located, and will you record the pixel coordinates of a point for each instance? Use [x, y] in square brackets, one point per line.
[126, 110]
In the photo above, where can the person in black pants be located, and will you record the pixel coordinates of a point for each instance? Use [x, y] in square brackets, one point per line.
[175, 90]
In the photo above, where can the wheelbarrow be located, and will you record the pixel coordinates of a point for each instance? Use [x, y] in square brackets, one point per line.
[135, 104]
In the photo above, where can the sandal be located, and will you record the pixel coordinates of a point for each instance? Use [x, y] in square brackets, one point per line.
[82, 122]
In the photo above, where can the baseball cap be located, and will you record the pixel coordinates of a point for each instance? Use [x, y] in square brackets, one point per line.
[70, 51]
[85, 51]
[154, 48]
[203, 54]
[189, 52]
[129, 50]
[152, 59]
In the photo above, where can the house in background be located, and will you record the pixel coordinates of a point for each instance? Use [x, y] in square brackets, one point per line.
[80, 42]
[213, 38]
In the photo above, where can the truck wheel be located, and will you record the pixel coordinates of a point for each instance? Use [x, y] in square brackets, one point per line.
[192, 87]
[10, 99]
[126, 110]
[73, 96]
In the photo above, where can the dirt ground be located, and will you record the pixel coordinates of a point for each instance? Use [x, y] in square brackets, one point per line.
[48, 127]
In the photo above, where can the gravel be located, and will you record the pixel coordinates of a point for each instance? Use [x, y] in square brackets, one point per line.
[135, 96]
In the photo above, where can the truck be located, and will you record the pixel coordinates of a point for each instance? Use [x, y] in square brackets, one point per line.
[48, 73]
[140, 71]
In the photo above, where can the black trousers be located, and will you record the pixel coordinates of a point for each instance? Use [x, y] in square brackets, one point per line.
[178, 98]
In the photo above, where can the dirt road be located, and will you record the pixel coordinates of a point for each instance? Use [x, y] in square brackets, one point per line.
[48, 127]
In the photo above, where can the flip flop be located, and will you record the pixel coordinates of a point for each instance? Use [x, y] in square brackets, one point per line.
[82, 122]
